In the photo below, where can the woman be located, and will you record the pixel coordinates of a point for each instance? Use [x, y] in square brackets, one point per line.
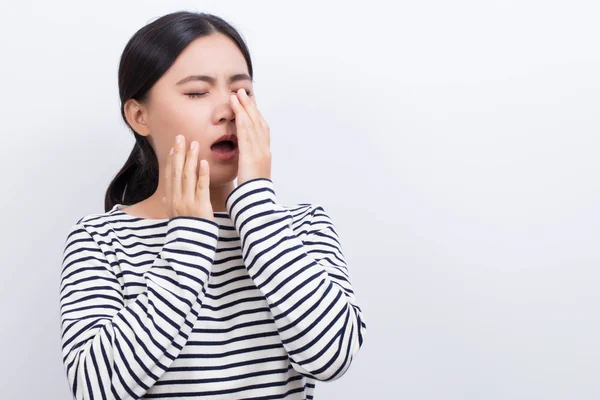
[188, 286]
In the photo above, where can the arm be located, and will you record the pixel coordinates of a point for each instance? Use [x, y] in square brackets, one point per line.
[306, 283]
[115, 351]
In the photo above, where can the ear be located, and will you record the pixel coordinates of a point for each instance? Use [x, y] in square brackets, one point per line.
[137, 116]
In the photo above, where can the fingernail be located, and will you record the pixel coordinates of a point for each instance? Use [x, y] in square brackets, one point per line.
[171, 152]
[178, 138]
[193, 145]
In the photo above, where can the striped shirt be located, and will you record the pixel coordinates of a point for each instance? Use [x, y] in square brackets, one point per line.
[254, 305]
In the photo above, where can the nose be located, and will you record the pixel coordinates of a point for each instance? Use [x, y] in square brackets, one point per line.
[223, 111]
[228, 114]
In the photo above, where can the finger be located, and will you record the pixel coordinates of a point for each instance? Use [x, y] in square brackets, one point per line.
[242, 120]
[190, 173]
[203, 185]
[248, 105]
[178, 160]
[240, 112]
[168, 180]
[254, 113]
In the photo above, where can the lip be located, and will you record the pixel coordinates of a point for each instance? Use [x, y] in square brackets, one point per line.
[227, 136]
[226, 156]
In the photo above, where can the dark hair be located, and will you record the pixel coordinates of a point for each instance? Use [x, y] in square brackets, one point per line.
[146, 57]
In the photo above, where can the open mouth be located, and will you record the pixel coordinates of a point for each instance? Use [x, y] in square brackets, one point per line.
[225, 144]
[225, 148]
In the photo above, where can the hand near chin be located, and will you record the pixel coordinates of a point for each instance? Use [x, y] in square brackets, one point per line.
[254, 159]
[187, 182]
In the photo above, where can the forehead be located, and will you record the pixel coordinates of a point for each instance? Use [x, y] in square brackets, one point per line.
[215, 54]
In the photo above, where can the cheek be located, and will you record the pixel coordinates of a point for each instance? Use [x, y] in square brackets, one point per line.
[185, 117]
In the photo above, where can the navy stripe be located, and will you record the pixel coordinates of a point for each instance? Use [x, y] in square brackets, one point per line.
[256, 304]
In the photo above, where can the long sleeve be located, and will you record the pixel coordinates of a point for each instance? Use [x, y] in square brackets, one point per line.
[306, 282]
[117, 351]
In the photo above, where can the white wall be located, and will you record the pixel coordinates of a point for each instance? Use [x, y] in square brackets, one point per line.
[455, 145]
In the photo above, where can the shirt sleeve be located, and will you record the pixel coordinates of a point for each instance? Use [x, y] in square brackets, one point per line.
[306, 282]
[116, 351]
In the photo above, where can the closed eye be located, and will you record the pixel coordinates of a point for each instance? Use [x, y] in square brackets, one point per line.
[195, 95]
[201, 94]
[249, 93]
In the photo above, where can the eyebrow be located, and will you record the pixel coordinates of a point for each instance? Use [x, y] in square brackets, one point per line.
[212, 81]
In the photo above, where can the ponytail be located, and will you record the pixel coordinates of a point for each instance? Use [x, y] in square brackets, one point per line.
[138, 178]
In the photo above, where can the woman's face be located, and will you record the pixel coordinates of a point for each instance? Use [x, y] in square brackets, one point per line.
[177, 105]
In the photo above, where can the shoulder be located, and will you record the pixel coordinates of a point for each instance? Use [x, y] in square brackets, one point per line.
[96, 222]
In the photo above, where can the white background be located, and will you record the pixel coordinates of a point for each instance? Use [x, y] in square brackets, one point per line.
[455, 145]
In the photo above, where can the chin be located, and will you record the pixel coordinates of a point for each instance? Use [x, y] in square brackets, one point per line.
[221, 175]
